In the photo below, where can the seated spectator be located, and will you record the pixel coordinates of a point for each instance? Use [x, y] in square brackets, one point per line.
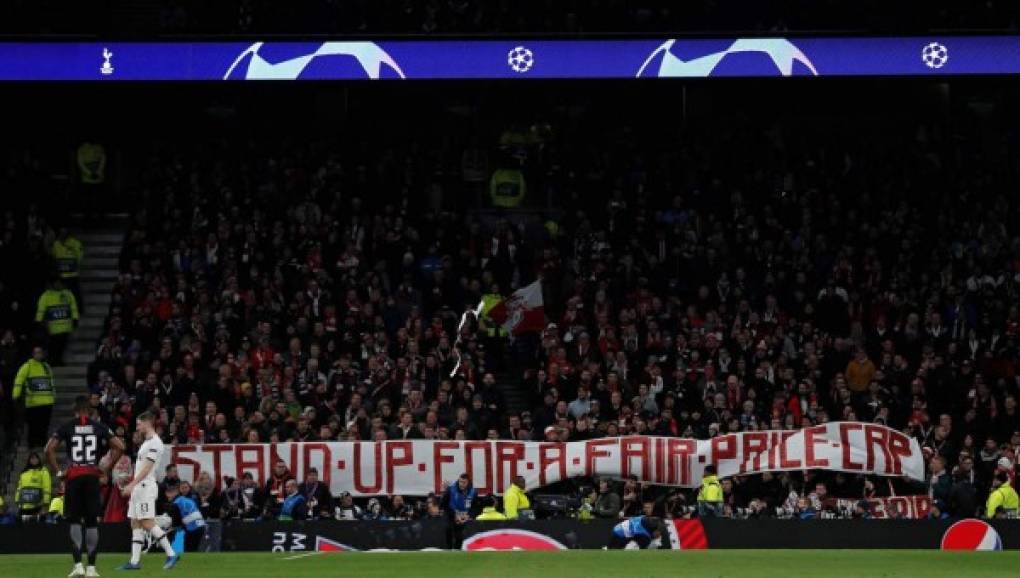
[275, 490]
[400, 510]
[293, 507]
[55, 511]
[8, 517]
[374, 511]
[33, 490]
[607, 504]
[317, 497]
[242, 499]
[207, 496]
[346, 509]
[489, 511]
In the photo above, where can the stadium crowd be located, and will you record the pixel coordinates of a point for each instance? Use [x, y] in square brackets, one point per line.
[313, 291]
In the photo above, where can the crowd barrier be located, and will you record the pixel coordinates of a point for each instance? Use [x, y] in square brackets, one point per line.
[551, 534]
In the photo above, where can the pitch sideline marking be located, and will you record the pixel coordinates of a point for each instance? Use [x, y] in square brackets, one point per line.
[304, 555]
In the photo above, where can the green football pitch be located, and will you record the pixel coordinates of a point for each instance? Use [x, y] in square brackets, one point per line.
[567, 564]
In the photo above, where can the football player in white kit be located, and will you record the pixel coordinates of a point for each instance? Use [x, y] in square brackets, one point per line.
[144, 490]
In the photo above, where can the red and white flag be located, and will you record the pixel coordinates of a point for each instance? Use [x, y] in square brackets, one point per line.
[522, 311]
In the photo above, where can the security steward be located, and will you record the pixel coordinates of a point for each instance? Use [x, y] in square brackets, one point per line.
[1003, 501]
[495, 333]
[35, 380]
[489, 511]
[67, 254]
[710, 496]
[34, 487]
[57, 311]
[515, 500]
[507, 188]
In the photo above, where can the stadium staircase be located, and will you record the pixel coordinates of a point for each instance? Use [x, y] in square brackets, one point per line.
[99, 271]
[514, 397]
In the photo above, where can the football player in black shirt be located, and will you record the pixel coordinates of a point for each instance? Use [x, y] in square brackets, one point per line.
[85, 440]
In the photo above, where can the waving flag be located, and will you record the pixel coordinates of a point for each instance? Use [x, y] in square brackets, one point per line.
[522, 311]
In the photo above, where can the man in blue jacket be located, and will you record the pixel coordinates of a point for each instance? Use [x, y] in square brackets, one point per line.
[186, 519]
[640, 529]
[294, 506]
[456, 502]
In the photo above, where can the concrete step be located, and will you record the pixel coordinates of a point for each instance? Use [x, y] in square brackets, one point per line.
[79, 358]
[93, 288]
[88, 337]
[100, 261]
[105, 250]
[98, 275]
[83, 346]
[70, 370]
[78, 380]
[102, 247]
[100, 238]
[90, 333]
[64, 410]
[100, 303]
[99, 296]
[88, 347]
[75, 386]
[90, 321]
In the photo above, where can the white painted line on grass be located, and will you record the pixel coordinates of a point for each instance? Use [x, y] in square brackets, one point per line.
[305, 555]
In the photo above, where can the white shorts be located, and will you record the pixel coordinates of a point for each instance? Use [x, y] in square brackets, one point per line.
[142, 504]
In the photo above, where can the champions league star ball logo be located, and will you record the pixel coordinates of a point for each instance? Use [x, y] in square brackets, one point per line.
[324, 60]
[935, 55]
[520, 59]
[743, 57]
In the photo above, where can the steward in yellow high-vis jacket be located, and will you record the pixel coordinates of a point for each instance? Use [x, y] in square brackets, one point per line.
[515, 500]
[35, 380]
[57, 311]
[710, 496]
[34, 487]
[67, 254]
[92, 163]
[490, 300]
[507, 188]
[1003, 501]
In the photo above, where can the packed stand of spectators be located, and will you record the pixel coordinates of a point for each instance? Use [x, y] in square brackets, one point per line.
[27, 238]
[123, 17]
[825, 287]
[728, 278]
